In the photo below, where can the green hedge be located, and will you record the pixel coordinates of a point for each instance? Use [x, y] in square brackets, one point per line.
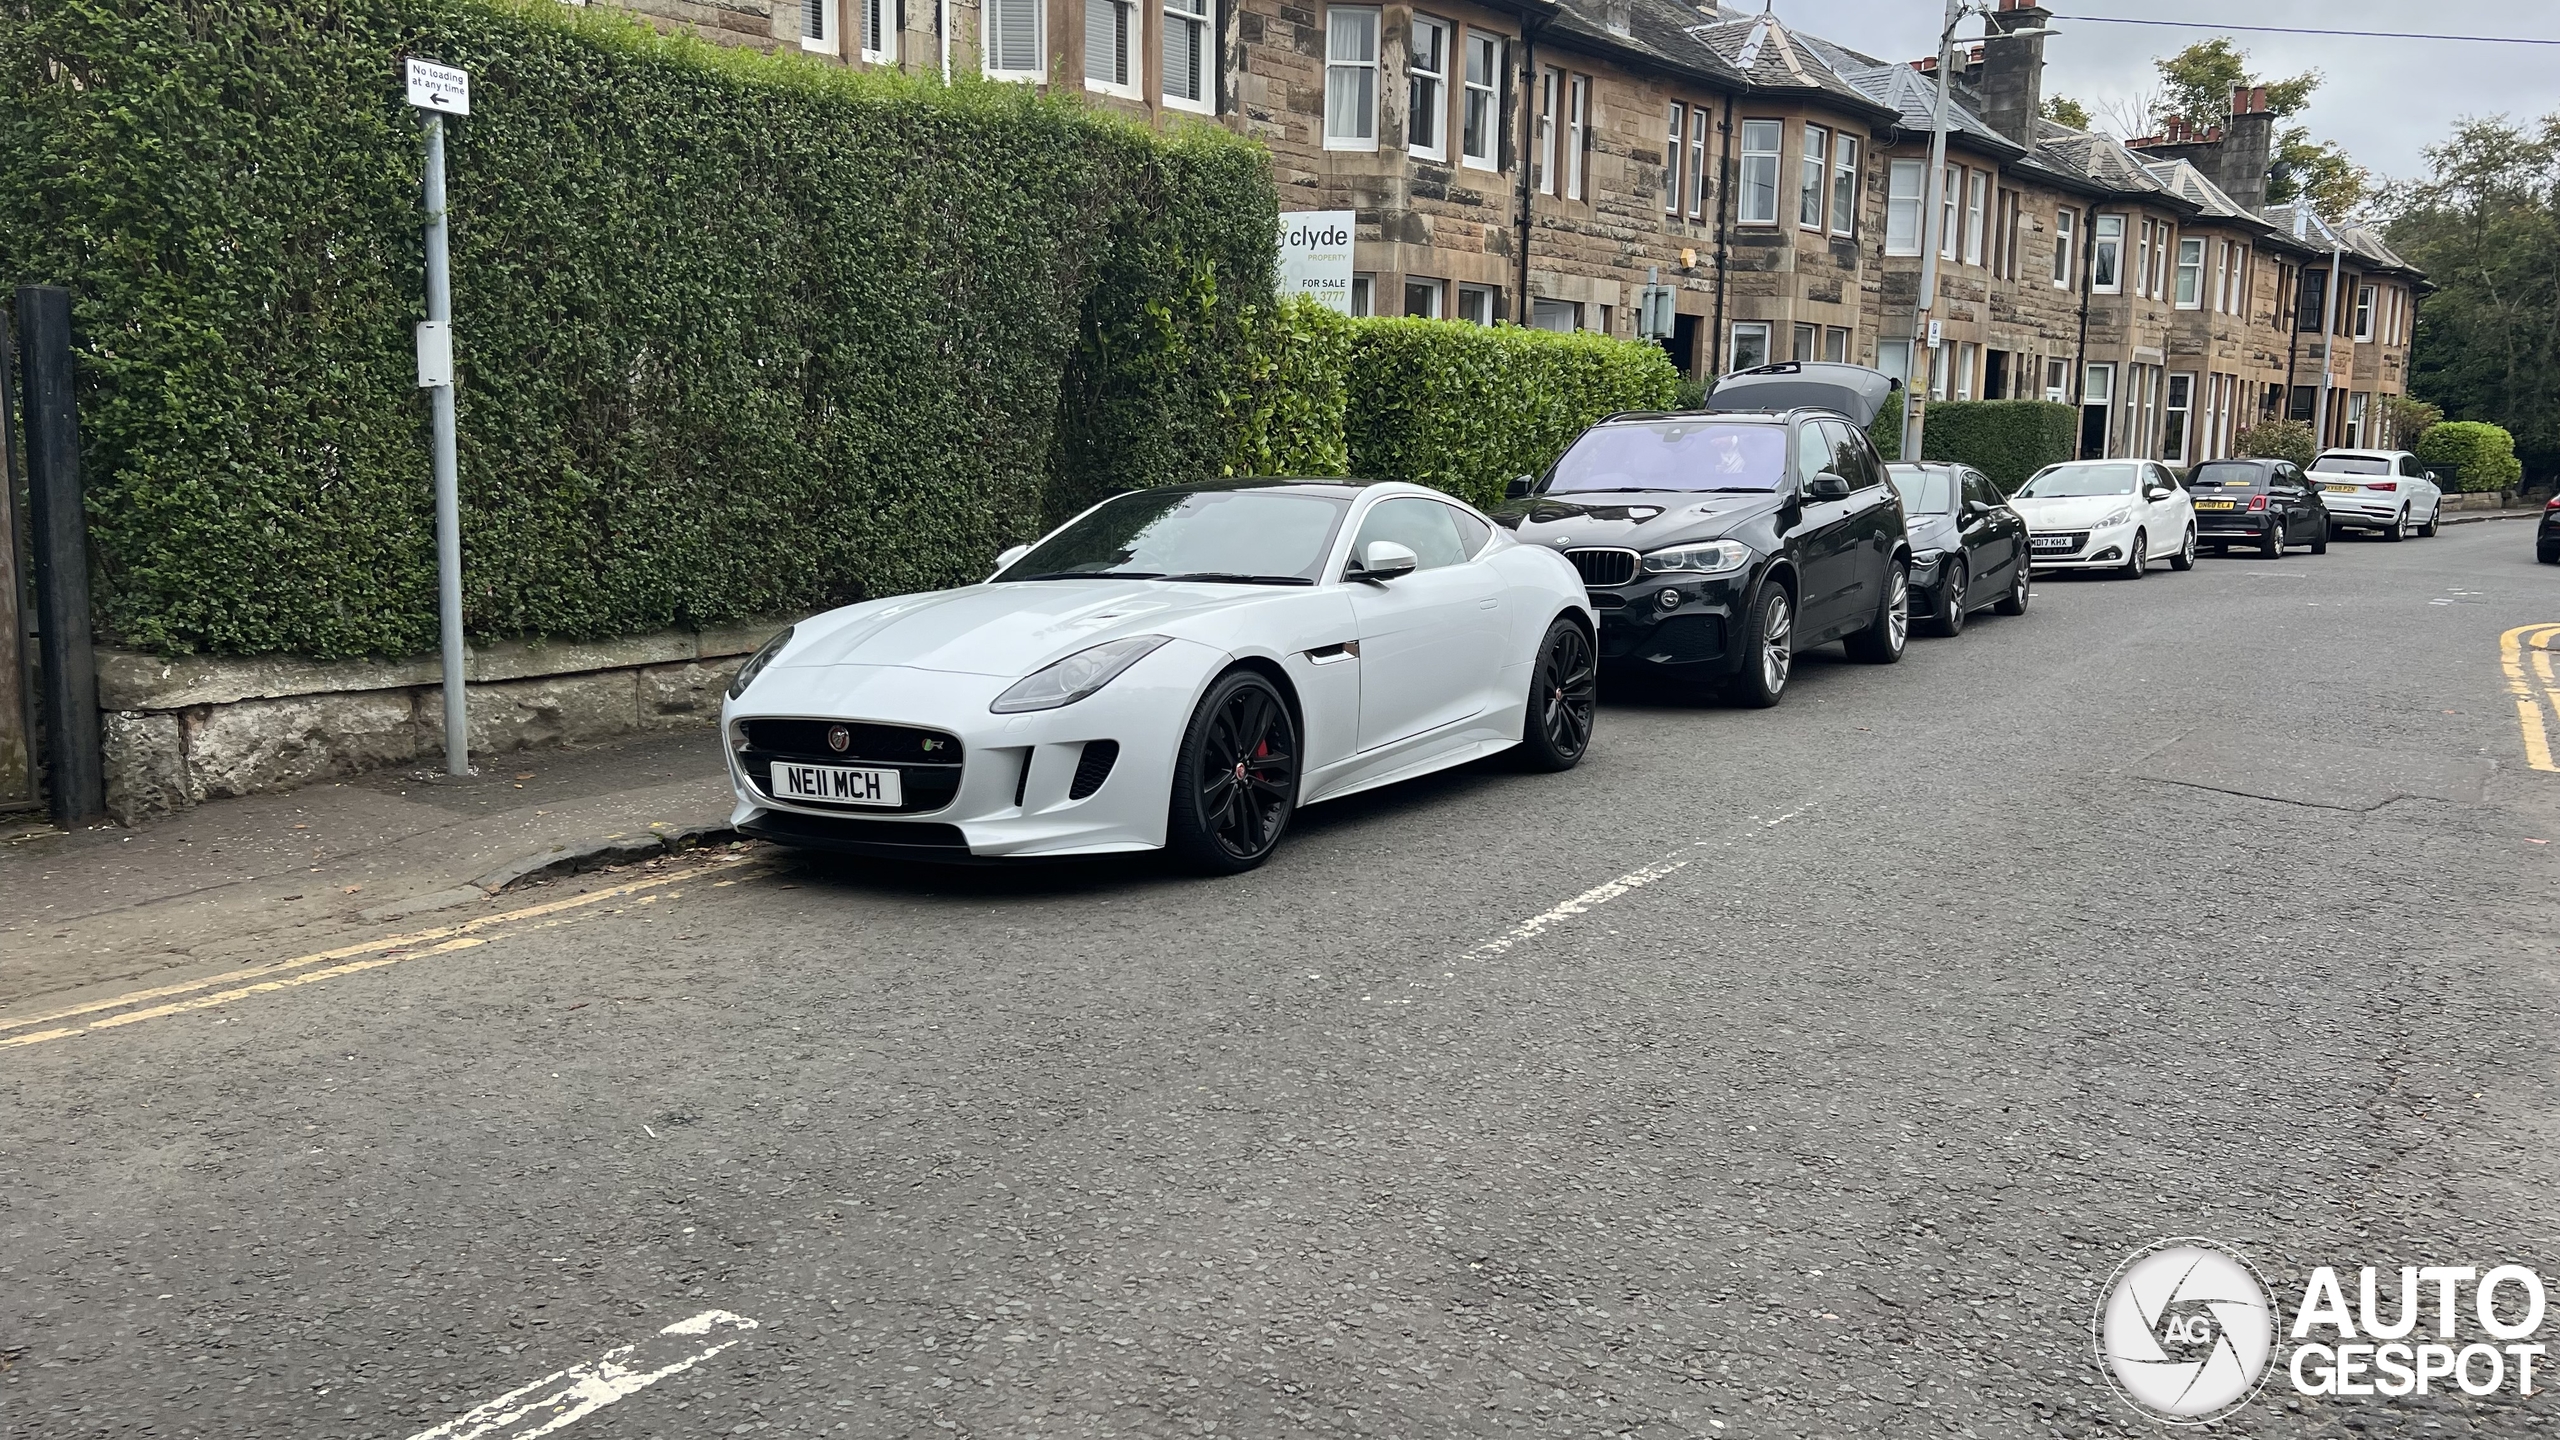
[2008, 440]
[1886, 429]
[1464, 408]
[2277, 440]
[736, 335]
[2483, 454]
[1288, 398]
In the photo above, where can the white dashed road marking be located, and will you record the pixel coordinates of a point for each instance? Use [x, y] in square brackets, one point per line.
[1600, 894]
[559, 1400]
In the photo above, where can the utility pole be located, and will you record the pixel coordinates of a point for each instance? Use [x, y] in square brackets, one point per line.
[1933, 204]
[440, 90]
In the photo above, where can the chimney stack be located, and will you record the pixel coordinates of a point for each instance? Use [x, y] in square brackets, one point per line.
[2013, 70]
[2247, 148]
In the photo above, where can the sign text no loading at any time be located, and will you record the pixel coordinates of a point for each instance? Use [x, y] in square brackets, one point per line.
[440, 88]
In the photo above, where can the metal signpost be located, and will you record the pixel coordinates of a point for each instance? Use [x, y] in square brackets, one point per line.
[438, 91]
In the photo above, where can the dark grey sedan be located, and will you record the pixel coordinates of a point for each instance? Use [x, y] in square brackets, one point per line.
[1968, 548]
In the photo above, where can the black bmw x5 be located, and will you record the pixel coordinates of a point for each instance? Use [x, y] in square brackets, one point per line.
[1717, 543]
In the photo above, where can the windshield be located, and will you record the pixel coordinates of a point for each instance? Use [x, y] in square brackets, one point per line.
[1674, 455]
[2062, 482]
[2352, 464]
[1152, 534]
[1926, 492]
[2225, 473]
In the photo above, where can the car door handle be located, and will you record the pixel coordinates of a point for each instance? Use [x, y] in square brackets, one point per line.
[1489, 604]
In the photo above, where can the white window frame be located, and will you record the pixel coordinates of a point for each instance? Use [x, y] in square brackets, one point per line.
[991, 36]
[1126, 59]
[1568, 311]
[2190, 283]
[1733, 343]
[1845, 155]
[1813, 179]
[1968, 359]
[2184, 414]
[2359, 410]
[1485, 297]
[1550, 95]
[818, 26]
[1350, 70]
[879, 23]
[1482, 109]
[1977, 202]
[2066, 254]
[1675, 158]
[1951, 213]
[1836, 340]
[1759, 162]
[2367, 300]
[1435, 304]
[1577, 171]
[2142, 264]
[1806, 341]
[1699, 120]
[2104, 248]
[2057, 380]
[1364, 293]
[2160, 262]
[1906, 192]
[1436, 82]
[1893, 357]
[1201, 24]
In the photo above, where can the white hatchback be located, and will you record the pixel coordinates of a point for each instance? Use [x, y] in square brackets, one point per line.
[2117, 515]
[2384, 490]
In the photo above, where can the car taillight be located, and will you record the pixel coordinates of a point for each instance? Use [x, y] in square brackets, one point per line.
[2384, 485]
[2553, 504]
[2257, 502]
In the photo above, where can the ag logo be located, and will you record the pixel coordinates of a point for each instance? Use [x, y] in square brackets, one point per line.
[2185, 1331]
[839, 738]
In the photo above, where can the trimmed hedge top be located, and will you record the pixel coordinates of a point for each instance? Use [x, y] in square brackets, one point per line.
[735, 334]
[2483, 454]
[2008, 440]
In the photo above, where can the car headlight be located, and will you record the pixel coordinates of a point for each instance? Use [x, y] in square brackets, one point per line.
[1707, 557]
[2115, 517]
[1070, 680]
[1926, 557]
[754, 667]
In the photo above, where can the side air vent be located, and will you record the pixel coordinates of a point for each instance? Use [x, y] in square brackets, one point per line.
[1093, 768]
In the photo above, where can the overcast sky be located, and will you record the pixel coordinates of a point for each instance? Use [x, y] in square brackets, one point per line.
[2384, 100]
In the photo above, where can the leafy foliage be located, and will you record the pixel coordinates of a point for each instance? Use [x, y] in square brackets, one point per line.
[1464, 408]
[2277, 440]
[2008, 440]
[2405, 419]
[1886, 429]
[2485, 226]
[2484, 455]
[2196, 85]
[2063, 110]
[1285, 406]
[736, 334]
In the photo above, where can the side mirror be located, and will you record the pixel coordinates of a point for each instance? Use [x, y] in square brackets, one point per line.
[1384, 560]
[1006, 558]
[2158, 492]
[1519, 487]
[1827, 485]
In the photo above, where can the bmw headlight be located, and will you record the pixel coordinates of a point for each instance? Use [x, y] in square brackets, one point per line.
[1079, 675]
[1926, 557]
[754, 667]
[1707, 557]
[2114, 518]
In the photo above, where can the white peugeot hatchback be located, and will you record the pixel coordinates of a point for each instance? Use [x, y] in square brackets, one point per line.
[2384, 490]
[2116, 515]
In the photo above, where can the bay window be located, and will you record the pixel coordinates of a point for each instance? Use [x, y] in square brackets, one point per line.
[1480, 137]
[1107, 24]
[1902, 200]
[1759, 198]
[1012, 35]
[2190, 273]
[1350, 78]
[1190, 51]
[1844, 184]
[2066, 222]
[1815, 182]
[2106, 258]
[1426, 87]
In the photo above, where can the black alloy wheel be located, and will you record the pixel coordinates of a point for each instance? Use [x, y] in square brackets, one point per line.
[1564, 699]
[1235, 784]
[1768, 649]
[2021, 586]
[1951, 612]
[2320, 539]
[1882, 641]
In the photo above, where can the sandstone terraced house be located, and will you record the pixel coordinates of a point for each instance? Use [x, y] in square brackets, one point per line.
[1538, 162]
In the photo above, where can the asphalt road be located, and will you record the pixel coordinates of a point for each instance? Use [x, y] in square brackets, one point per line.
[2212, 904]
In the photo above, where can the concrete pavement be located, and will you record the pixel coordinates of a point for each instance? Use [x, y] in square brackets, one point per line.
[1803, 1072]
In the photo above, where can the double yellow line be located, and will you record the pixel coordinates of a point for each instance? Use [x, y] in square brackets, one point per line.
[274, 975]
[2535, 694]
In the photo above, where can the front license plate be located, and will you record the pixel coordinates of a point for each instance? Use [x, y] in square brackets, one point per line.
[2342, 489]
[2217, 504]
[836, 785]
[2053, 542]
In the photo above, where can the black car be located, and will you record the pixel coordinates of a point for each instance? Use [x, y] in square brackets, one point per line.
[2268, 504]
[2546, 537]
[1717, 543]
[1968, 548]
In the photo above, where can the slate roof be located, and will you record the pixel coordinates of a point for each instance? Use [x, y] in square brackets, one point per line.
[1659, 31]
[1913, 97]
[2182, 179]
[1776, 61]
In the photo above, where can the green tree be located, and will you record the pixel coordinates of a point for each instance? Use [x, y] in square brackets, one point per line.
[2485, 226]
[2195, 87]
[2063, 110]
